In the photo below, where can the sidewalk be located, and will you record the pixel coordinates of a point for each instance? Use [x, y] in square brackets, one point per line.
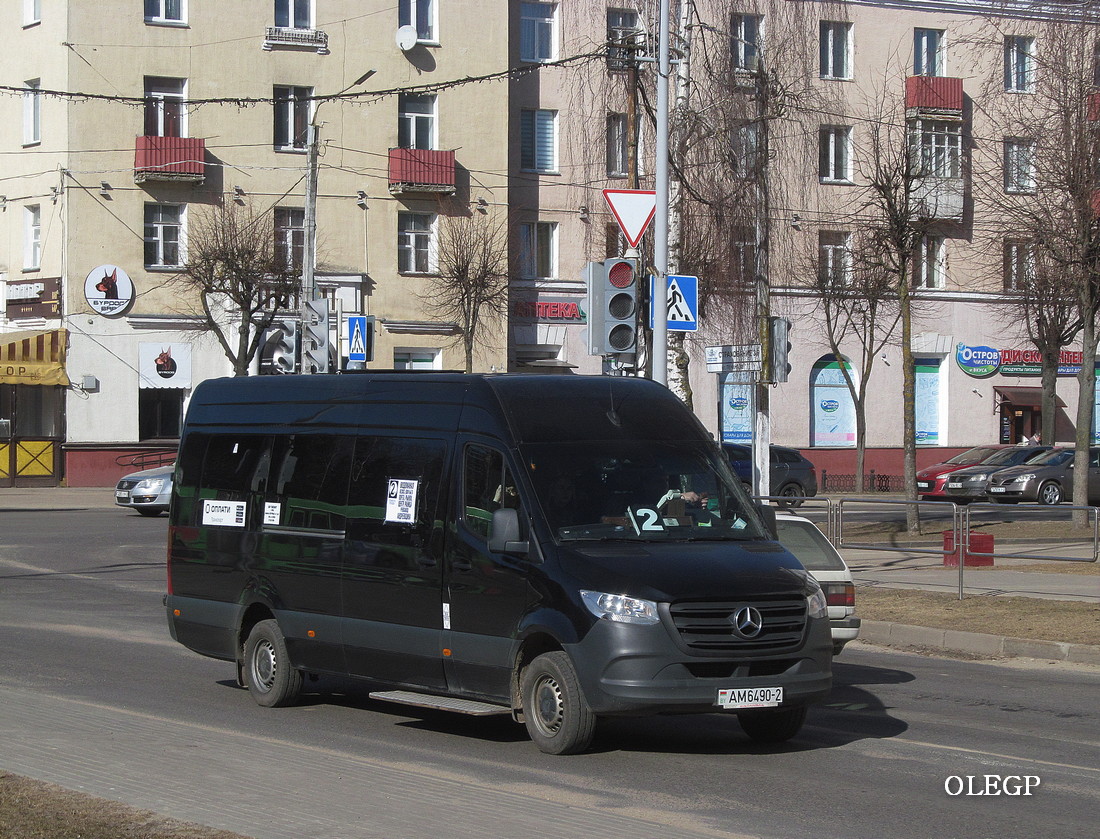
[922, 571]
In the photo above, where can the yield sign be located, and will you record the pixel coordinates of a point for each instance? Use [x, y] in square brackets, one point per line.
[633, 210]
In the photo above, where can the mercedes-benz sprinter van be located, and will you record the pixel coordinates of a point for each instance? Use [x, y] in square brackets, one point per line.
[557, 548]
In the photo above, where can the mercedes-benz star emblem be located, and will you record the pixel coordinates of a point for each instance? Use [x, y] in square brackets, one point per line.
[748, 622]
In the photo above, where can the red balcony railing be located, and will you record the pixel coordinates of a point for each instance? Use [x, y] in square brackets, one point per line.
[934, 93]
[422, 170]
[169, 159]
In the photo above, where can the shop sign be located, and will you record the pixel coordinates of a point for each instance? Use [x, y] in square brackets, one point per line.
[33, 299]
[164, 365]
[981, 362]
[108, 290]
[549, 311]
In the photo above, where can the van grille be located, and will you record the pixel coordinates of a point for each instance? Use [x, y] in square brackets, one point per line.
[707, 626]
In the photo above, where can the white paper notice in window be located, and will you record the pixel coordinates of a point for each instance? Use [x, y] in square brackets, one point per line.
[401, 501]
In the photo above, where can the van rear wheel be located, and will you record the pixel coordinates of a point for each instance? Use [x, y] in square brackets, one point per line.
[555, 711]
[271, 680]
[772, 725]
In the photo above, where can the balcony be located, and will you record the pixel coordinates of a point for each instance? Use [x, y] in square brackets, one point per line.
[422, 170]
[940, 198]
[934, 96]
[287, 36]
[179, 159]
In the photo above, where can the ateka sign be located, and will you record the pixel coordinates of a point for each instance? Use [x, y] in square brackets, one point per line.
[549, 311]
[981, 362]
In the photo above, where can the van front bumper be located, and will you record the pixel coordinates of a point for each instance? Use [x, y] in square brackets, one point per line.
[629, 669]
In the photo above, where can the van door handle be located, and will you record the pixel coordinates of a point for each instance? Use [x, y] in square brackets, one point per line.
[426, 561]
[462, 565]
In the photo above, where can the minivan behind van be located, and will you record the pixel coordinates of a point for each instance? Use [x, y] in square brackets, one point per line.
[556, 548]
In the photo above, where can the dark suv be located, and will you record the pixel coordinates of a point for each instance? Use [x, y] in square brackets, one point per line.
[792, 475]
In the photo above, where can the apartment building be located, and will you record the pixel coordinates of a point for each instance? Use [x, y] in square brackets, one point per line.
[126, 121]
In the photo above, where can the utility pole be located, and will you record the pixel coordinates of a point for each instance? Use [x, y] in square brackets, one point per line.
[762, 425]
[660, 217]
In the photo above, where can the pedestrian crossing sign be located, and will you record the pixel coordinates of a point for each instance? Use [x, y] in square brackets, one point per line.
[683, 303]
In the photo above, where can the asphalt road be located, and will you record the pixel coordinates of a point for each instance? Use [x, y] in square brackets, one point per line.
[94, 695]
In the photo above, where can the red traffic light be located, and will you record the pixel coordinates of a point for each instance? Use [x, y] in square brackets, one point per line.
[621, 274]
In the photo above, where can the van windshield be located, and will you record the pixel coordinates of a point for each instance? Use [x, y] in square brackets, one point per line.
[640, 490]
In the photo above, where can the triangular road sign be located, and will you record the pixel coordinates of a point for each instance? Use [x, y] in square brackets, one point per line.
[633, 210]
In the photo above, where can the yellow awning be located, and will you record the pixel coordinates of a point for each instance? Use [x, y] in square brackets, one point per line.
[33, 358]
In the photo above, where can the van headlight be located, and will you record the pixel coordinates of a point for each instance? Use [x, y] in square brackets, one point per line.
[621, 608]
[816, 604]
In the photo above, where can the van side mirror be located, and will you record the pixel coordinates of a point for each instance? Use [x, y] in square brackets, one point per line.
[504, 537]
[767, 513]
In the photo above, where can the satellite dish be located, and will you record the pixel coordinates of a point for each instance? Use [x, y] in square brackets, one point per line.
[406, 37]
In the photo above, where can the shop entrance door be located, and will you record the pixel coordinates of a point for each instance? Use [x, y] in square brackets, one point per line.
[30, 435]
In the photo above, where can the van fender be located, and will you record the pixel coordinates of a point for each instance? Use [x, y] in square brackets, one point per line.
[541, 631]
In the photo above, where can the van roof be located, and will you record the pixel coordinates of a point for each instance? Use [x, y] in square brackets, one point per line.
[538, 408]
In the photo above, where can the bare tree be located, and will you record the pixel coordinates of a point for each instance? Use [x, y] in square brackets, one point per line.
[237, 276]
[1060, 126]
[858, 306]
[470, 284]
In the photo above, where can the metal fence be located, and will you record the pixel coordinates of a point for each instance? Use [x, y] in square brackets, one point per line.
[959, 525]
[872, 482]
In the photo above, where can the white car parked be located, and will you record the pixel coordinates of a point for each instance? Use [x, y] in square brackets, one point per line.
[802, 538]
[148, 491]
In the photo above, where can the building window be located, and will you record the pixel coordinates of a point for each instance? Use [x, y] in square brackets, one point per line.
[1019, 265]
[32, 112]
[32, 12]
[937, 145]
[745, 41]
[163, 227]
[745, 149]
[290, 236]
[834, 154]
[834, 261]
[1019, 165]
[32, 237]
[931, 264]
[538, 250]
[617, 157]
[294, 14]
[415, 233]
[1019, 65]
[420, 14]
[538, 31]
[415, 121]
[292, 118]
[164, 11]
[417, 358]
[538, 141]
[832, 409]
[164, 111]
[160, 413]
[928, 52]
[836, 50]
[623, 37]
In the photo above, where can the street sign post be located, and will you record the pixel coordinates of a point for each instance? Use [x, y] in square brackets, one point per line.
[731, 358]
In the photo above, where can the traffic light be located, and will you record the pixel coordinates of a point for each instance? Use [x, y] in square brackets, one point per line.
[779, 331]
[283, 339]
[612, 307]
[315, 337]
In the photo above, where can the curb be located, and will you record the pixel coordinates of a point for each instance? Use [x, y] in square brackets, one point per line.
[975, 643]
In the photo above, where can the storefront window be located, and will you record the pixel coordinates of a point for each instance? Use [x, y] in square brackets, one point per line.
[38, 413]
[832, 411]
[927, 400]
[160, 412]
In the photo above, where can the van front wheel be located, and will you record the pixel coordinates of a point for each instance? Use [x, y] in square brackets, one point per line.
[557, 716]
[271, 680]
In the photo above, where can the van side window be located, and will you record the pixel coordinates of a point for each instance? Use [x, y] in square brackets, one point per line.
[310, 472]
[377, 461]
[231, 466]
[488, 485]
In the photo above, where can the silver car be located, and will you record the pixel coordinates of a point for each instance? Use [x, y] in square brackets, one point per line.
[148, 491]
[1048, 479]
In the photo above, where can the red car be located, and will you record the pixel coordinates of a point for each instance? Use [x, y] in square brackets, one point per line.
[931, 480]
